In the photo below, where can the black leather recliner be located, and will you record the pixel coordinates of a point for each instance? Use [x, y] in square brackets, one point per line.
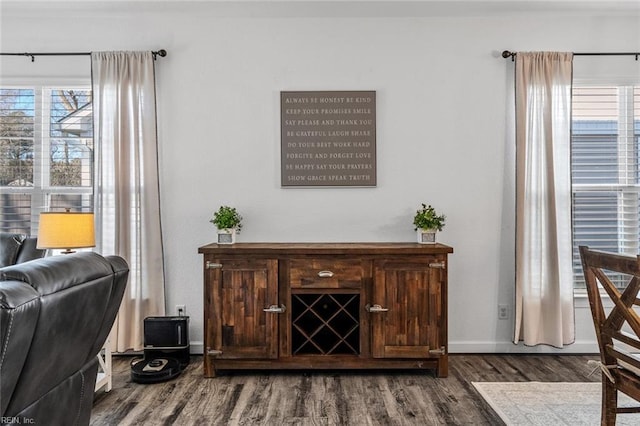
[55, 315]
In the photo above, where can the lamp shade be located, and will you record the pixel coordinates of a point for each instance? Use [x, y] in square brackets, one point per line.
[66, 230]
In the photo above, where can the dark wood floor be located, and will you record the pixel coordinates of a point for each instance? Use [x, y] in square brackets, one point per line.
[328, 398]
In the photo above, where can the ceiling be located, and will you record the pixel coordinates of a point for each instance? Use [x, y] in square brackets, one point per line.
[342, 8]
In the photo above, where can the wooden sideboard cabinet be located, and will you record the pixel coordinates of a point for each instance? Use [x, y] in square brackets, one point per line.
[325, 305]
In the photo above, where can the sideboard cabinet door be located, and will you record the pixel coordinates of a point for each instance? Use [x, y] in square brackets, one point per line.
[237, 292]
[413, 295]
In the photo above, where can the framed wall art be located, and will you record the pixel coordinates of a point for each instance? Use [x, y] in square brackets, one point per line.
[328, 138]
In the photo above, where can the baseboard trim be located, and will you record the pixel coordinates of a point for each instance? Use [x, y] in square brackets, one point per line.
[579, 347]
[196, 348]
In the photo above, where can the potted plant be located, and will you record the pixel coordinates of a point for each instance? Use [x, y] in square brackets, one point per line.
[229, 223]
[427, 222]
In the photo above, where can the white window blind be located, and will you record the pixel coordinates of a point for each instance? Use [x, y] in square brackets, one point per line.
[17, 128]
[605, 171]
[46, 154]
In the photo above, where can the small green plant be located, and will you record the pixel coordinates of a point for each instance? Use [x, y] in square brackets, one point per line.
[227, 218]
[427, 218]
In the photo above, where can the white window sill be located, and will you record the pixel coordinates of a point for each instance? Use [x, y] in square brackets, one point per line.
[581, 299]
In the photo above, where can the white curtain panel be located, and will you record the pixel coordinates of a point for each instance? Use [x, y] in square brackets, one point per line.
[127, 201]
[544, 282]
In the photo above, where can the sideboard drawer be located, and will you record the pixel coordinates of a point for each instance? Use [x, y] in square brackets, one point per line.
[325, 273]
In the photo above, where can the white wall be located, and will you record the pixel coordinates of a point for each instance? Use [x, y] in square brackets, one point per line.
[443, 132]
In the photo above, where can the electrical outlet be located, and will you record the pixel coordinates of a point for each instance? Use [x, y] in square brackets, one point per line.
[181, 310]
[503, 311]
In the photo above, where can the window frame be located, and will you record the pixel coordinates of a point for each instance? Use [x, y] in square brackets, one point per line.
[627, 186]
[42, 191]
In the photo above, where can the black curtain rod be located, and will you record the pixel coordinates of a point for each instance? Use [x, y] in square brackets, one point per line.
[508, 54]
[155, 53]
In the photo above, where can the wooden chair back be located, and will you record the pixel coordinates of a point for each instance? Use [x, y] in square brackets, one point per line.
[620, 367]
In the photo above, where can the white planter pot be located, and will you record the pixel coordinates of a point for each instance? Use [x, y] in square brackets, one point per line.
[427, 236]
[226, 236]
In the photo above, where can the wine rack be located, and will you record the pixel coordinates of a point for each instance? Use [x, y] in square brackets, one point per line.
[325, 324]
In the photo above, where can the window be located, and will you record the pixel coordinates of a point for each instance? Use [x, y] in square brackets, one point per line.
[605, 171]
[46, 154]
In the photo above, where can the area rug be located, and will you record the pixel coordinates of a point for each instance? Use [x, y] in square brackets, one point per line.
[538, 403]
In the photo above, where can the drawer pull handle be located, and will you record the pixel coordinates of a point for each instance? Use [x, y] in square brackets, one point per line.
[325, 274]
[375, 308]
[275, 309]
[439, 265]
[213, 265]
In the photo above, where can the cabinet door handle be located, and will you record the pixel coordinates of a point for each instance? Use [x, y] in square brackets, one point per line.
[275, 309]
[325, 274]
[375, 308]
[439, 265]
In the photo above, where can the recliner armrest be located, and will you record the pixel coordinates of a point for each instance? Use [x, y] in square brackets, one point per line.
[53, 274]
[19, 311]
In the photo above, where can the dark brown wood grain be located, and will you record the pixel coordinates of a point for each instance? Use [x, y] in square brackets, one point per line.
[407, 280]
[413, 327]
[237, 326]
[325, 273]
[312, 249]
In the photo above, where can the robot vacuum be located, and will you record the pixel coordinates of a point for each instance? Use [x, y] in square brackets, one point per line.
[154, 370]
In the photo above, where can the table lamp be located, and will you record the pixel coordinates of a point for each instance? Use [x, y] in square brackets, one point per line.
[66, 230]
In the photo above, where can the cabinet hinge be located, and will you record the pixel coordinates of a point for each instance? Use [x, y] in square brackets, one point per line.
[213, 352]
[441, 351]
[212, 265]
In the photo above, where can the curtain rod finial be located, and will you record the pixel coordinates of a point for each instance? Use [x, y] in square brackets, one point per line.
[162, 53]
[506, 54]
